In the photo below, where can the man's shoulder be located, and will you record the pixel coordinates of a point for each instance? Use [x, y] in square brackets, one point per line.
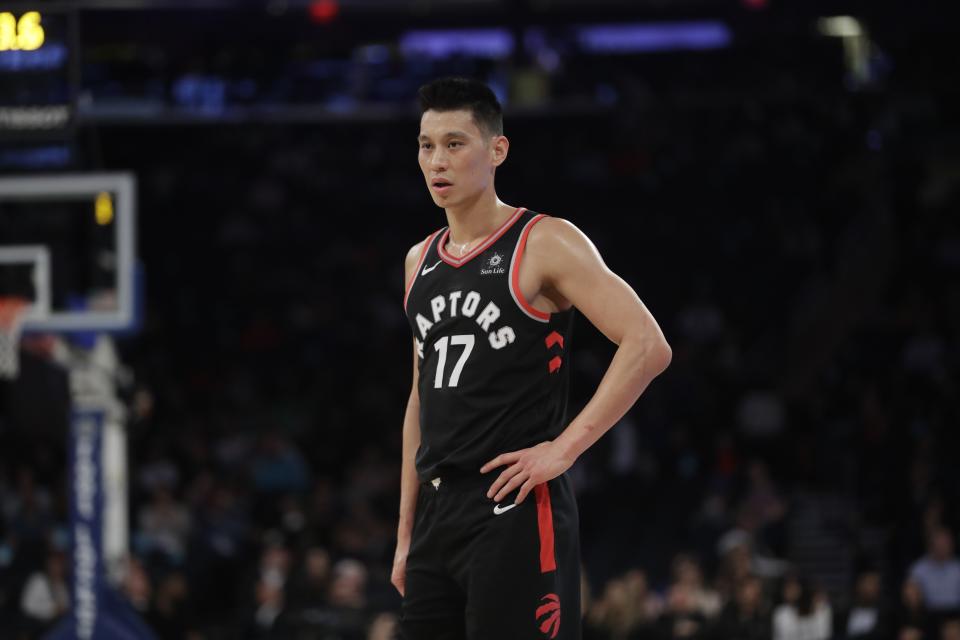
[414, 252]
[552, 225]
[558, 243]
[550, 231]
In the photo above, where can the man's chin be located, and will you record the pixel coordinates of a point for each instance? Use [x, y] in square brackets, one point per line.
[440, 201]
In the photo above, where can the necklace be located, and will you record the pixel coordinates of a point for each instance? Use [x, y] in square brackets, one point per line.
[461, 248]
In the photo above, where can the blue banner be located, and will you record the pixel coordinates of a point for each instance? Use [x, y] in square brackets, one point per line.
[97, 612]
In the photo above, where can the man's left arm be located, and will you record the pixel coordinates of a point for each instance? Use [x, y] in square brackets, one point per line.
[570, 268]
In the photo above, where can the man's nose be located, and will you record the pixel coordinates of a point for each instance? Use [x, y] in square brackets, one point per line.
[438, 159]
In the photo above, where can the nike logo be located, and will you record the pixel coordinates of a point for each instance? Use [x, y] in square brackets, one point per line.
[497, 510]
[427, 269]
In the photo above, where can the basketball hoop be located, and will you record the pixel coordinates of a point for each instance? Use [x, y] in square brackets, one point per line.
[12, 312]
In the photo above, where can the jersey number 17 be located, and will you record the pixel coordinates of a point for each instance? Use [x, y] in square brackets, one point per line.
[441, 345]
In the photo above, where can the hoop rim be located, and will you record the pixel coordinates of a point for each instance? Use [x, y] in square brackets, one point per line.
[12, 312]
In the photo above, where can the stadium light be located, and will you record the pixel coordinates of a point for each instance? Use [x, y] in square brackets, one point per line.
[840, 27]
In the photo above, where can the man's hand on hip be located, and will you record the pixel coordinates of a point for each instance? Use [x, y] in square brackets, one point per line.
[527, 468]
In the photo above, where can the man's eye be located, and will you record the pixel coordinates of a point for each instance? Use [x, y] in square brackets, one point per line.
[455, 144]
[424, 145]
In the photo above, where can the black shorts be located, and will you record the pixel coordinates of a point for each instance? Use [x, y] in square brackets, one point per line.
[478, 570]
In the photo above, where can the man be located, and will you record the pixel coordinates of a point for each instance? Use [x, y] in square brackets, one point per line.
[938, 573]
[868, 616]
[490, 300]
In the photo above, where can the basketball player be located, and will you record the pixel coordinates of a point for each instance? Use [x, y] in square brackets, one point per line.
[488, 545]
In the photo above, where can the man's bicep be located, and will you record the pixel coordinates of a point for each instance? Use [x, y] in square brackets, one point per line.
[578, 273]
[610, 304]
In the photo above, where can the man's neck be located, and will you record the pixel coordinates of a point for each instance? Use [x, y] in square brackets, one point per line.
[478, 219]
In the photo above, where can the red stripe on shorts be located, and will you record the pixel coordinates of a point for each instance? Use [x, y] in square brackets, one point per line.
[548, 561]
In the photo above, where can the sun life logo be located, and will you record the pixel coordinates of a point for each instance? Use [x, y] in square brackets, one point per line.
[493, 265]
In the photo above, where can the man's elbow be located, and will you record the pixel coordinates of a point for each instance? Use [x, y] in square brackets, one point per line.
[660, 355]
[650, 352]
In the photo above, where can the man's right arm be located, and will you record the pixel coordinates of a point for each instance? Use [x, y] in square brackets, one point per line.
[409, 485]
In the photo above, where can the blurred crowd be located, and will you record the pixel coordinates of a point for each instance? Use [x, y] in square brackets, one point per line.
[795, 243]
[790, 607]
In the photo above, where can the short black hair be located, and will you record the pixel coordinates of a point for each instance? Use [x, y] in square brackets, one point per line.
[453, 94]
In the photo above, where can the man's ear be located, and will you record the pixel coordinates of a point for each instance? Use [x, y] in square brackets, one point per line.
[499, 148]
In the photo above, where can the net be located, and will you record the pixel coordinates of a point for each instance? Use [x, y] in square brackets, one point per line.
[12, 312]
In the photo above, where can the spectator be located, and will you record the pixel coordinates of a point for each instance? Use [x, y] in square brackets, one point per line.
[165, 525]
[626, 609]
[645, 601]
[745, 617]
[765, 506]
[804, 614]
[742, 552]
[682, 617]
[687, 573]
[938, 573]
[348, 599]
[218, 553]
[269, 593]
[171, 615]
[950, 629]
[383, 627]
[268, 615]
[278, 466]
[735, 567]
[912, 618]
[29, 510]
[46, 595]
[136, 585]
[910, 633]
[309, 585]
[269, 602]
[349, 583]
[9, 591]
[866, 618]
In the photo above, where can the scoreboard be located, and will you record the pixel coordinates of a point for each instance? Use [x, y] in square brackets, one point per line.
[25, 34]
[39, 71]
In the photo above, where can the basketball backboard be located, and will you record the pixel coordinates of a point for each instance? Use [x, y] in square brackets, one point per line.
[72, 238]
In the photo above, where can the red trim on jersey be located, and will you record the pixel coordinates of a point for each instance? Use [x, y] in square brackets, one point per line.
[548, 561]
[554, 338]
[515, 272]
[423, 254]
[554, 363]
[480, 248]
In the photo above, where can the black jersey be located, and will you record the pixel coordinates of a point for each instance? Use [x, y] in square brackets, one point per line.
[493, 369]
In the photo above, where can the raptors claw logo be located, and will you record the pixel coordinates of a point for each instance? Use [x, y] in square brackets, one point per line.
[548, 615]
